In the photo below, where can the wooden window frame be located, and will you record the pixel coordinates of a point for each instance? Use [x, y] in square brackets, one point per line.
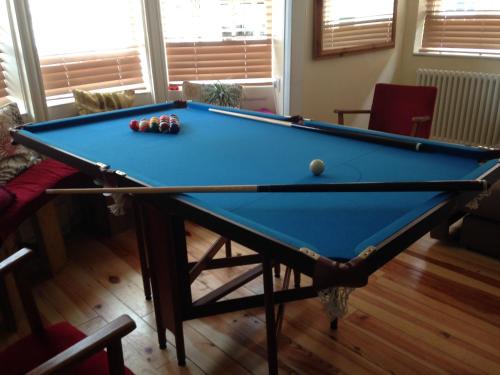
[319, 53]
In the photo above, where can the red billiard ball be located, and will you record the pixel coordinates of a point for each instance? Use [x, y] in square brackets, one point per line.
[134, 125]
[164, 118]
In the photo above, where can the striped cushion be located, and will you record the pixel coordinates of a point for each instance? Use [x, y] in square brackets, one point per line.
[13, 158]
[93, 102]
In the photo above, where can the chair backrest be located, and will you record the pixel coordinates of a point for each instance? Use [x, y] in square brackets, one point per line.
[394, 106]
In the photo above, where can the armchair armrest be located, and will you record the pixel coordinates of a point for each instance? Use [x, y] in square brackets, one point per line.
[14, 260]
[421, 119]
[340, 113]
[416, 122]
[107, 337]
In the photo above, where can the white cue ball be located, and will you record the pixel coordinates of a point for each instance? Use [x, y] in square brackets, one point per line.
[317, 167]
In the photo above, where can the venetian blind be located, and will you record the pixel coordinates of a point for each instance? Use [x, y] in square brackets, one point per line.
[94, 44]
[217, 39]
[350, 25]
[462, 26]
[3, 85]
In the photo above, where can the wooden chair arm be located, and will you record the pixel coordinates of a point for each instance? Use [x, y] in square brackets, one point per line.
[14, 260]
[416, 121]
[352, 111]
[107, 337]
[420, 119]
[340, 113]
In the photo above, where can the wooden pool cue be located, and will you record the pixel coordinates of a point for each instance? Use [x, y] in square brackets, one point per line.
[406, 186]
[487, 153]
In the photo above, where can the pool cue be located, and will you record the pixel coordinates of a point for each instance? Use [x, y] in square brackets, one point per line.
[346, 187]
[489, 153]
[410, 145]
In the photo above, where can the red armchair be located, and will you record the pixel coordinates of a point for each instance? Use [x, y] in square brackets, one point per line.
[398, 109]
[60, 348]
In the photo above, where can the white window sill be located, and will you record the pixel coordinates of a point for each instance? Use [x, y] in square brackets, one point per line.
[458, 54]
[250, 82]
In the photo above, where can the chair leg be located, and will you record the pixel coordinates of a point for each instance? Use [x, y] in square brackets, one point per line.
[28, 301]
[116, 364]
[6, 307]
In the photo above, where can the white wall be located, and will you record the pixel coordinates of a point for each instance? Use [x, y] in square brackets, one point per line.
[347, 82]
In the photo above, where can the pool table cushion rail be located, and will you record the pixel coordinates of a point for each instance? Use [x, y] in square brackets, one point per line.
[389, 139]
[479, 153]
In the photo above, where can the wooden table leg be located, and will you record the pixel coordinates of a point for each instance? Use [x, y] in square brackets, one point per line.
[296, 278]
[272, 345]
[141, 244]
[229, 251]
[48, 228]
[277, 270]
[169, 274]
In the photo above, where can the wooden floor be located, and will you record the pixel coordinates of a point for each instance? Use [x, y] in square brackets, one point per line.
[434, 309]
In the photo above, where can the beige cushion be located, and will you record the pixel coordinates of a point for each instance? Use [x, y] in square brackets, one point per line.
[489, 207]
[13, 158]
[93, 102]
[227, 95]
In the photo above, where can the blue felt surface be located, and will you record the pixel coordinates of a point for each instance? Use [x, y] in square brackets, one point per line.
[217, 149]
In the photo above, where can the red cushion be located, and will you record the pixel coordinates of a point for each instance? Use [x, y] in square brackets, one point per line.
[6, 199]
[29, 188]
[32, 351]
[394, 106]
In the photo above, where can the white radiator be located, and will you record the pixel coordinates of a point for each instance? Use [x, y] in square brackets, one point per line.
[467, 107]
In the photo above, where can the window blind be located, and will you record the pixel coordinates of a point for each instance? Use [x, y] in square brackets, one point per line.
[217, 39]
[90, 71]
[93, 45]
[353, 25]
[462, 26]
[3, 85]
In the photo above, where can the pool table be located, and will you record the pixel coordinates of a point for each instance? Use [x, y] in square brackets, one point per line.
[337, 238]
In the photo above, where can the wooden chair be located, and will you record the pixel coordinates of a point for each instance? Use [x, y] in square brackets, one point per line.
[398, 109]
[61, 347]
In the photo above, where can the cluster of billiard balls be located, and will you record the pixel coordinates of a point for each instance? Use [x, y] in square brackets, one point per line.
[164, 124]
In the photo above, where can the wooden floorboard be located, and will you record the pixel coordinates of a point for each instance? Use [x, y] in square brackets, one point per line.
[434, 309]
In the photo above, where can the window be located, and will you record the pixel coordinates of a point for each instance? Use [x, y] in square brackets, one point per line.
[90, 44]
[217, 39]
[3, 85]
[462, 27]
[347, 26]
